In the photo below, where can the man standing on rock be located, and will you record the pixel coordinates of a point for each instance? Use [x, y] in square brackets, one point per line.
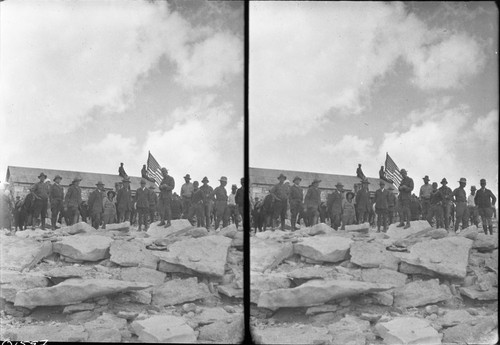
[56, 200]
[142, 205]
[296, 197]
[153, 203]
[165, 200]
[72, 201]
[334, 206]
[186, 194]
[40, 191]
[208, 201]
[425, 196]
[363, 202]
[124, 201]
[96, 205]
[232, 207]
[485, 201]
[471, 206]
[239, 198]
[312, 202]
[436, 208]
[405, 189]
[461, 211]
[280, 194]
[220, 195]
[197, 203]
[381, 206]
[447, 195]
[391, 205]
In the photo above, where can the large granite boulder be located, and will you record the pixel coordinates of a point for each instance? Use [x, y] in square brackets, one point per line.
[317, 292]
[447, 256]
[85, 248]
[408, 330]
[178, 291]
[267, 254]
[419, 293]
[485, 243]
[373, 255]
[302, 334]
[206, 255]
[383, 276]
[132, 253]
[22, 253]
[12, 281]
[163, 329]
[73, 291]
[324, 248]
[320, 228]
[77, 228]
[260, 282]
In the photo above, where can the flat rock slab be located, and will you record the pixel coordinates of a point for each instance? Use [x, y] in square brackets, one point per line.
[62, 332]
[349, 330]
[361, 228]
[211, 315]
[480, 330]
[419, 293]
[142, 274]
[12, 281]
[260, 282]
[320, 228]
[267, 254]
[206, 255]
[423, 235]
[408, 330]
[373, 255]
[166, 267]
[316, 292]
[485, 243]
[163, 329]
[447, 256]
[229, 331]
[471, 292]
[471, 232]
[309, 273]
[412, 269]
[416, 226]
[179, 291]
[178, 226]
[229, 231]
[132, 253]
[384, 276]
[77, 228]
[324, 248]
[73, 291]
[302, 334]
[197, 232]
[455, 317]
[230, 291]
[68, 272]
[85, 248]
[22, 253]
[125, 226]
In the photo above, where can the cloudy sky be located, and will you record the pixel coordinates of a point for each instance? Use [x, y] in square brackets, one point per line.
[340, 83]
[86, 85]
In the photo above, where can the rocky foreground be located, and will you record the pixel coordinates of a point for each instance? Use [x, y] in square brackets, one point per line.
[407, 286]
[180, 284]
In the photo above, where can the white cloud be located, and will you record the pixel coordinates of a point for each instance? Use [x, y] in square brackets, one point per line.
[486, 128]
[114, 145]
[352, 150]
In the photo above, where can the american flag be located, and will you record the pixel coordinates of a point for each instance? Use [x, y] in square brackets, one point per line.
[154, 169]
[392, 170]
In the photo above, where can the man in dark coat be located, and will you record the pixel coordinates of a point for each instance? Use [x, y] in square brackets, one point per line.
[391, 205]
[72, 201]
[363, 202]
[144, 174]
[382, 196]
[153, 203]
[41, 192]
[460, 199]
[208, 203]
[405, 189]
[312, 201]
[471, 206]
[415, 207]
[296, 204]
[240, 196]
[425, 196]
[485, 202]
[334, 205]
[96, 205]
[142, 205]
[186, 194]
[124, 201]
[176, 206]
[447, 195]
[221, 210]
[165, 199]
[436, 207]
[359, 173]
[197, 201]
[280, 193]
[56, 200]
[121, 171]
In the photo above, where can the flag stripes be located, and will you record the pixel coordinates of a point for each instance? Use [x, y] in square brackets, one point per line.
[154, 169]
[392, 171]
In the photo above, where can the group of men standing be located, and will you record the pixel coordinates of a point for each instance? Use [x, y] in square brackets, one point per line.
[436, 204]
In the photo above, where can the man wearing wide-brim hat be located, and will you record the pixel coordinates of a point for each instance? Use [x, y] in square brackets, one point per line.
[405, 188]
[72, 201]
[296, 197]
[447, 195]
[334, 206]
[208, 203]
[142, 205]
[363, 205]
[165, 198]
[186, 195]
[312, 201]
[124, 201]
[221, 210]
[96, 206]
[425, 196]
[56, 197]
[485, 201]
[460, 198]
[471, 207]
[382, 206]
[40, 191]
[280, 193]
